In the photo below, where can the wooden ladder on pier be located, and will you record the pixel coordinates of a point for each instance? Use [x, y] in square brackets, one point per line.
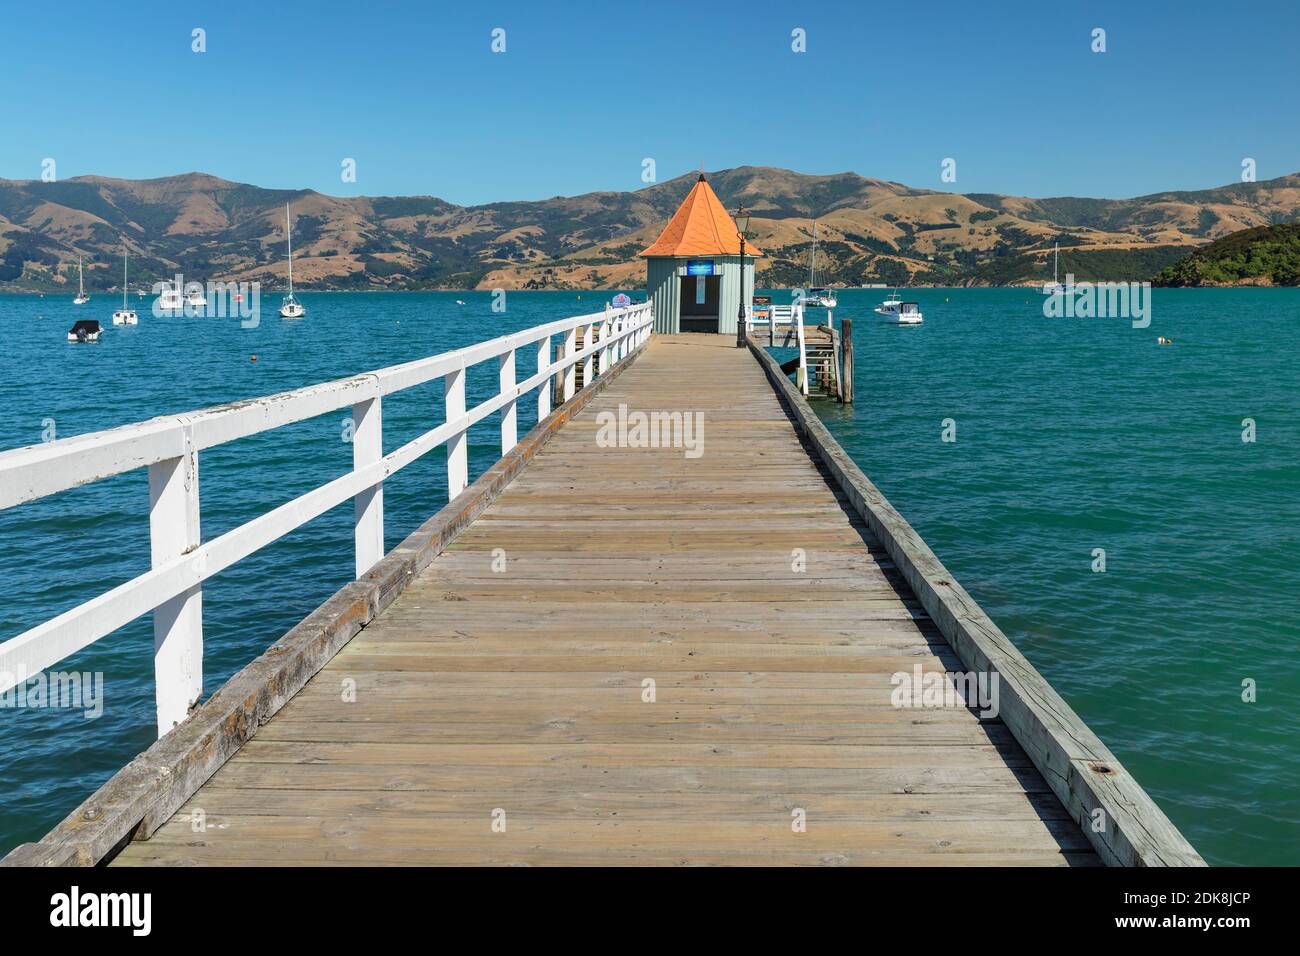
[822, 356]
[819, 347]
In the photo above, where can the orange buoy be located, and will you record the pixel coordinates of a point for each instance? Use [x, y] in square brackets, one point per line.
[252, 358]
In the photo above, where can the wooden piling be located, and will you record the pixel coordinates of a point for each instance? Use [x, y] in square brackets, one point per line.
[846, 361]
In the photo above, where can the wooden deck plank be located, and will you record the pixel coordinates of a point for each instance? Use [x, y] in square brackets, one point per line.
[520, 689]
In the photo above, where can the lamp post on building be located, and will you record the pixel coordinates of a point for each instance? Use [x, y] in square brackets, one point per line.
[742, 224]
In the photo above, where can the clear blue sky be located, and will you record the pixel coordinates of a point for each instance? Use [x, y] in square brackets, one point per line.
[585, 91]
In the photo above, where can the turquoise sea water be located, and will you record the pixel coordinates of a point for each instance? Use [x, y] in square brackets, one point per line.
[1072, 435]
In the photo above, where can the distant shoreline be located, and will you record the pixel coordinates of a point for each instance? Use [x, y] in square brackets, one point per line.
[631, 290]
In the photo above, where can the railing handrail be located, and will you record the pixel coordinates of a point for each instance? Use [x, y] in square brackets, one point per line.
[168, 446]
[782, 315]
[37, 471]
[775, 316]
[796, 320]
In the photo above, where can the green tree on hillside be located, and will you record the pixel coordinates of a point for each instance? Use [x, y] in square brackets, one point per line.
[1270, 253]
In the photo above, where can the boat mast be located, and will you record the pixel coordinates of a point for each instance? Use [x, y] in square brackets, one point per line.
[1056, 260]
[812, 260]
[124, 280]
[81, 285]
[288, 233]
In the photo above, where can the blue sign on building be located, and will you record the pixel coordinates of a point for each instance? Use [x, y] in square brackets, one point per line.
[701, 267]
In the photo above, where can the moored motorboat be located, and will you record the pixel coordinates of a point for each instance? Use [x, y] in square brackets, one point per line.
[84, 330]
[898, 312]
[170, 300]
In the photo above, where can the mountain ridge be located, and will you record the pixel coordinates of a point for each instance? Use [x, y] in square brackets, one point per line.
[869, 230]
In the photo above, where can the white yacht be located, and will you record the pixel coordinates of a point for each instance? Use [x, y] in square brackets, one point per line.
[290, 308]
[895, 310]
[170, 299]
[1055, 287]
[125, 316]
[816, 297]
[81, 298]
[194, 297]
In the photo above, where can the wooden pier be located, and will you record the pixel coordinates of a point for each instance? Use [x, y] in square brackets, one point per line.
[635, 655]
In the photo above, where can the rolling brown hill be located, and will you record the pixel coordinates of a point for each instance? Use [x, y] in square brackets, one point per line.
[869, 230]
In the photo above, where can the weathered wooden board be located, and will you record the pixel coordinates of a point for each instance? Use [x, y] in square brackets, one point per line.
[1125, 825]
[507, 682]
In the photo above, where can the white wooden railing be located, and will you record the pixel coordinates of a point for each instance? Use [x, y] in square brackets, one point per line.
[169, 448]
[789, 317]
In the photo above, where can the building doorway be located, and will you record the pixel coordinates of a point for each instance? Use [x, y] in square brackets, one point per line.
[700, 296]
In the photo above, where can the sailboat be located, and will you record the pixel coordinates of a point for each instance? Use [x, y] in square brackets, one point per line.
[815, 297]
[81, 298]
[125, 316]
[290, 308]
[1055, 287]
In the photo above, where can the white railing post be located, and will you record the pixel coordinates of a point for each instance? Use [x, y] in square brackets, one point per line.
[368, 505]
[453, 387]
[588, 340]
[570, 373]
[509, 414]
[603, 354]
[797, 318]
[178, 623]
[544, 392]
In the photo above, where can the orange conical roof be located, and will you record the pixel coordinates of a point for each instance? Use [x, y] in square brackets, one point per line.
[700, 227]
